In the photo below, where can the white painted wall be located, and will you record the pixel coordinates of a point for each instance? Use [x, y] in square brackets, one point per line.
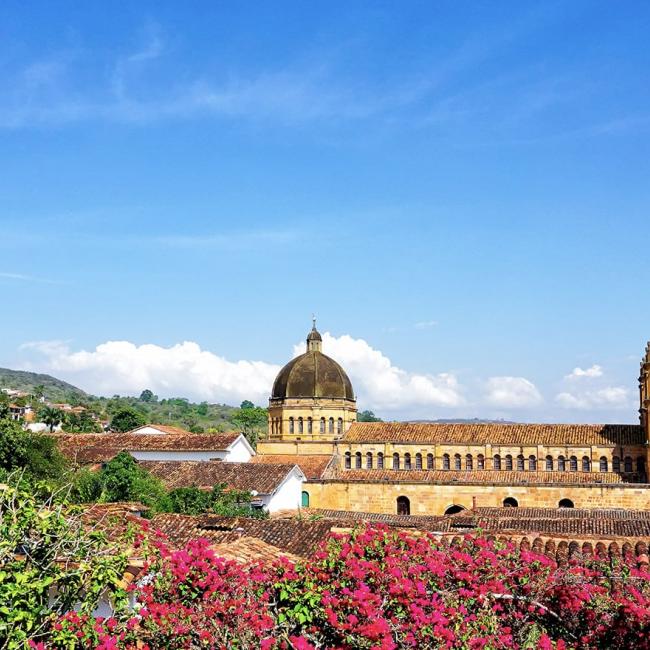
[239, 451]
[289, 493]
[171, 454]
[150, 429]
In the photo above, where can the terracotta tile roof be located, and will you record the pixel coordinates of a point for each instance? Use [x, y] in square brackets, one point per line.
[351, 518]
[562, 513]
[496, 434]
[294, 536]
[312, 467]
[265, 479]
[99, 447]
[252, 549]
[482, 477]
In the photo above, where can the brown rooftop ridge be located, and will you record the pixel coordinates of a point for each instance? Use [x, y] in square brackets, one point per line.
[264, 479]
[478, 477]
[496, 433]
[167, 428]
[312, 466]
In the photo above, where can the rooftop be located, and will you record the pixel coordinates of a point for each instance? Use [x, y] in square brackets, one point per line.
[313, 467]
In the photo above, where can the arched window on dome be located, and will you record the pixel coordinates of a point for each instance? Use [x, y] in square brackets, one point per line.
[520, 463]
[549, 463]
[508, 462]
[573, 464]
[418, 461]
[322, 425]
[496, 461]
[369, 460]
[561, 464]
[357, 460]
[586, 464]
[469, 462]
[339, 426]
[430, 464]
[603, 464]
[299, 425]
[395, 460]
[532, 463]
[457, 464]
[291, 425]
[348, 460]
[616, 464]
[445, 461]
[309, 426]
[380, 460]
[628, 464]
[331, 425]
[480, 461]
[407, 461]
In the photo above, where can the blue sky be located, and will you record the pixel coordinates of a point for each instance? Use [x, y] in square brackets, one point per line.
[460, 189]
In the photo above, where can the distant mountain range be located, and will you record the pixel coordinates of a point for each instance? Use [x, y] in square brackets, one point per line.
[56, 390]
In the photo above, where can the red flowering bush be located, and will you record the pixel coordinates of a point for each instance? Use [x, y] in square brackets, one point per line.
[380, 590]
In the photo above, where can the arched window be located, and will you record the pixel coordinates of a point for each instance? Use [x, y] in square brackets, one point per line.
[508, 462]
[573, 464]
[305, 499]
[549, 463]
[520, 463]
[497, 461]
[628, 464]
[457, 461]
[445, 461]
[339, 426]
[348, 460]
[407, 461]
[604, 465]
[309, 426]
[532, 463]
[640, 465]
[469, 462]
[380, 460]
[357, 460]
[565, 503]
[616, 464]
[430, 464]
[586, 464]
[561, 464]
[403, 506]
[331, 425]
[299, 425]
[418, 461]
[510, 502]
[395, 460]
[291, 425]
[452, 510]
[369, 460]
[322, 425]
[480, 461]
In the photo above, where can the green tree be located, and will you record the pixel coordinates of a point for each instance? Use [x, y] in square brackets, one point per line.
[202, 409]
[51, 416]
[127, 419]
[81, 423]
[251, 421]
[4, 405]
[247, 404]
[367, 416]
[38, 391]
[147, 396]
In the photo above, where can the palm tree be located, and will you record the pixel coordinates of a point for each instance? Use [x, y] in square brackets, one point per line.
[51, 416]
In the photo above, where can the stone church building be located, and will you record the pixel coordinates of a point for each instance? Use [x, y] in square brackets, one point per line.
[433, 469]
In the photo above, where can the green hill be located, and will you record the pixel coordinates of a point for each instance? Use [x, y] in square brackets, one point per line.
[55, 389]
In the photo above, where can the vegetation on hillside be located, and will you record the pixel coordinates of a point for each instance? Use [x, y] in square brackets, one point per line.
[55, 390]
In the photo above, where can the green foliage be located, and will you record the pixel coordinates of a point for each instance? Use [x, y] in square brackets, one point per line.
[50, 565]
[36, 455]
[147, 396]
[40, 385]
[221, 501]
[4, 405]
[81, 423]
[367, 416]
[51, 416]
[251, 420]
[126, 419]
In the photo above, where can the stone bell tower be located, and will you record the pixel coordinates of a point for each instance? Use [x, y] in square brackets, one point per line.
[644, 407]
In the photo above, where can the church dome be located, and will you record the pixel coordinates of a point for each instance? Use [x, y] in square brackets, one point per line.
[312, 374]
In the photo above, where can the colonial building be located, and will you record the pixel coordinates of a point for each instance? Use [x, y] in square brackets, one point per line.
[434, 469]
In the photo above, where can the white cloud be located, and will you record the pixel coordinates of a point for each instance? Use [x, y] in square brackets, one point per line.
[578, 373]
[608, 397]
[381, 385]
[512, 392]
